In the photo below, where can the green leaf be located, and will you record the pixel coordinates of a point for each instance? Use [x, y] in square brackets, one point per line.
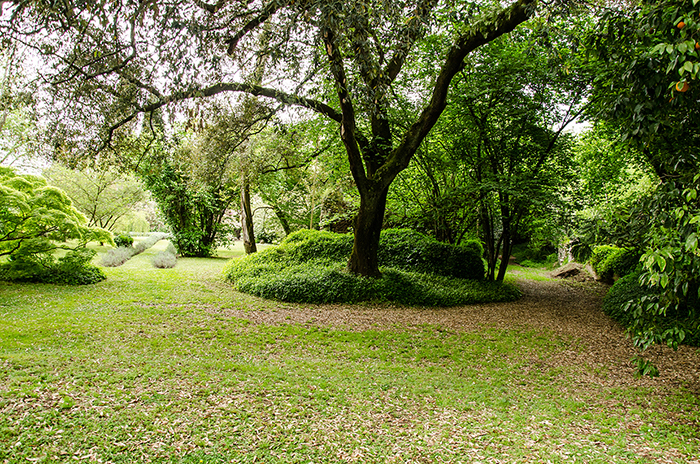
[688, 66]
[691, 243]
[661, 262]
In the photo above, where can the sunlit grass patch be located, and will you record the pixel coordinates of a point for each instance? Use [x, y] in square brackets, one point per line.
[159, 365]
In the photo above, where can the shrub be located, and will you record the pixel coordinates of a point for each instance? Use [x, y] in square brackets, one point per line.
[414, 252]
[609, 261]
[123, 240]
[171, 249]
[72, 269]
[310, 266]
[164, 260]
[117, 256]
[329, 282]
[628, 289]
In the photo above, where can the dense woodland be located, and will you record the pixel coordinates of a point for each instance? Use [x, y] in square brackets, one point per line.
[554, 132]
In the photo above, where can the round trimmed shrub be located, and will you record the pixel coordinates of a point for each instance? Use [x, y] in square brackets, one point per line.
[123, 240]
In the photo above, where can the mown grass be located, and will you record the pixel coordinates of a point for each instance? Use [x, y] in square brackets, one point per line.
[164, 365]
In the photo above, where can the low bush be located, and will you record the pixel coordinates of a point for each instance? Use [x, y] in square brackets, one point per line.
[610, 261]
[171, 249]
[116, 256]
[72, 269]
[123, 240]
[628, 288]
[310, 266]
[164, 260]
[330, 282]
[414, 252]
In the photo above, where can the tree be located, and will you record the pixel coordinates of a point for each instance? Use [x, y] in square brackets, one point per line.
[500, 144]
[161, 55]
[649, 93]
[296, 167]
[17, 119]
[36, 220]
[103, 195]
[197, 176]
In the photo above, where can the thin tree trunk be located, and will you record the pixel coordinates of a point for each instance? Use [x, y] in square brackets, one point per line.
[247, 231]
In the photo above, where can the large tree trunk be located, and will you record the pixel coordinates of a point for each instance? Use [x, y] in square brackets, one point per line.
[247, 231]
[368, 226]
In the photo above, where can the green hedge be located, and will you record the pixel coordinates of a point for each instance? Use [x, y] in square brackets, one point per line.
[412, 251]
[123, 240]
[310, 266]
[609, 261]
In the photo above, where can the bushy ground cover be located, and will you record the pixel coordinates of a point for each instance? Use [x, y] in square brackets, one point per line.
[616, 304]
[310, 266]
[173, 366]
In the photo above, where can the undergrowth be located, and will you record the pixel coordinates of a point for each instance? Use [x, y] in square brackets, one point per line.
[310, 267]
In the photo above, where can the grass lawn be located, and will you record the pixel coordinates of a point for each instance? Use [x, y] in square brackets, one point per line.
[172, 365]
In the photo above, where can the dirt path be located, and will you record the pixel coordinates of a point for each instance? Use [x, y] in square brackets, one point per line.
[566, 309]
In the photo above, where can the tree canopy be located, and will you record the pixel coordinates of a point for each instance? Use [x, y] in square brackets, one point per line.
[113, 62]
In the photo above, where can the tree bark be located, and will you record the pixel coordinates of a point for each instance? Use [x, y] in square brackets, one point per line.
[368, 226]
[247, 231]
[282, 217]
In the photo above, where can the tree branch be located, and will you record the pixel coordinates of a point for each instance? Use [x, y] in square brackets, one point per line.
[480, 34]
[216, 89]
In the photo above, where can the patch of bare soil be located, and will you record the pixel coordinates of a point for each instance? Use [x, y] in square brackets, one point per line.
[565, 309]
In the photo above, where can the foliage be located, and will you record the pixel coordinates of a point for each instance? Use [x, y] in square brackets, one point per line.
[194, 212]
[610, 261]
[612, 178]
[123, 240]
[616, 304]
[36, 220]
[415, 252]
[500, 144]
[648, 91]
[342, 60]
[671, 268]
[299, 169]
[19, 145]
[30, 264]
[308, 267]
[328, 282]
[103, 195]
[645, 56]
